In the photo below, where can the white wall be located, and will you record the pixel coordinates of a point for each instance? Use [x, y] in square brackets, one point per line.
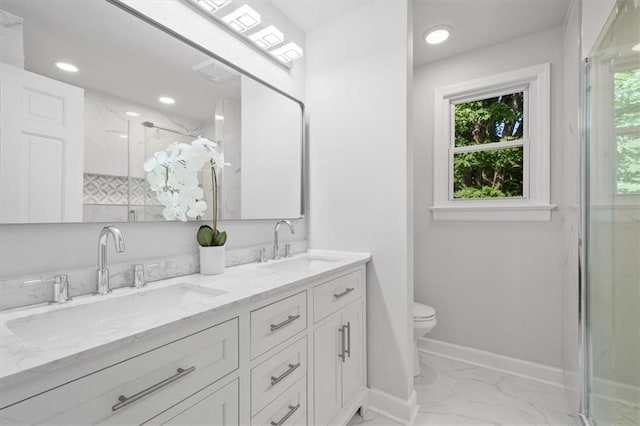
[358, 78]
[495, 286]
[32, 249]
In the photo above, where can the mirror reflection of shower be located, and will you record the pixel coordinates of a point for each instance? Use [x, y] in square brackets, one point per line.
[153, 126]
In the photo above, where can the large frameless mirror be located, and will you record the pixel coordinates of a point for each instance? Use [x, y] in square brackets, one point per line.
[90, 92]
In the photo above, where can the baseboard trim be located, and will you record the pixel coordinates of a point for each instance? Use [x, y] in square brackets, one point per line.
[394, 408]
[615, 391]
[517, 367]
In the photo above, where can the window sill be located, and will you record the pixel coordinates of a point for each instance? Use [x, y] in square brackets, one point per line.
[497, 213]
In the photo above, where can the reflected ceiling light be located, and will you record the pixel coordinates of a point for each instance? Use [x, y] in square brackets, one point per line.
[212, 6]
[132, 114]
[242, 19]
[267, 37]
[437, 35]
[123, 136]
[288, 52]
[219, 117]
[636, 48]
[64, 66]
[167, 100]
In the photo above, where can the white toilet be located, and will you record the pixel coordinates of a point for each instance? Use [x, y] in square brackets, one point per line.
[424, 319]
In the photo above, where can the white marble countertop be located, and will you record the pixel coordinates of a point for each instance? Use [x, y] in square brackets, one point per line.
[244, 284]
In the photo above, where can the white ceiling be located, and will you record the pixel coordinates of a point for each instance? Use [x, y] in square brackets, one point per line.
[117, 54]
[308, 14]
[478, 23]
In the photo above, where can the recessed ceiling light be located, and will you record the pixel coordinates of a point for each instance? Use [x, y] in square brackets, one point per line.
[219, 117]
[132, 114]
[288, 52]
[65, 66]
[167, 100]
[636, 48]
[123, 136]
[267, 37]
[242, 19]
[437, 35]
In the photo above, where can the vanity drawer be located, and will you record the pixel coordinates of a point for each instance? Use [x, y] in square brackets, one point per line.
[288, 409]
[148, 383]
[336, 294]
[219, 407]
[275, 323]
[276, 374]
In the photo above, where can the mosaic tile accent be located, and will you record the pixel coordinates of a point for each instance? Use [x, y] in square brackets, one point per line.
[106, 189]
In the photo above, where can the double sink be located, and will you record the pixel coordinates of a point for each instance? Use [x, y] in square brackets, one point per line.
[88, 320]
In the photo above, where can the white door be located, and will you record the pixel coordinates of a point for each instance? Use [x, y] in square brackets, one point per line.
[327, 346]
[219, 408]
[353, 366]
[41, 148]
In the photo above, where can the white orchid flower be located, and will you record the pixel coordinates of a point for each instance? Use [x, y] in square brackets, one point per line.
[173, 176]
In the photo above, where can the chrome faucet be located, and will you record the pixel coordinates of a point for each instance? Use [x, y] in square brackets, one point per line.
[276, 246]
[103, 271]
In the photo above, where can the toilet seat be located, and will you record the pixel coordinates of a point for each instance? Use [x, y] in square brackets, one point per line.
[423, 312]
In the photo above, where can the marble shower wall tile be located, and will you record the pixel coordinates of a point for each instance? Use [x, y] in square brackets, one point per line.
[25, 290]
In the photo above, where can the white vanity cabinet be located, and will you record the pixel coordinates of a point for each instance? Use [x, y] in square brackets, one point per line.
[339, 348]
[296, 357]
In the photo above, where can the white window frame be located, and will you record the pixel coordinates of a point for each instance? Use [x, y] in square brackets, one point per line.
[534, 205]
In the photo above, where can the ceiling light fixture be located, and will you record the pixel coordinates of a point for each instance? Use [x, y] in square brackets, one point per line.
[636, 48]
[268, 37]
[132, 114]
[437, 35]
[287, 53]
[242, 19]
[123, 136]
[219, 117]
[167, 100]
[212, 6]
[64, 66]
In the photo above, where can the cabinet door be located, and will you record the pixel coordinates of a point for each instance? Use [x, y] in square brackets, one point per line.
[353, 367]
[41, 148]
[218, 408]
[327, 369]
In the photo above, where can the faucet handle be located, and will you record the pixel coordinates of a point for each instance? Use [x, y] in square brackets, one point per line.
[262, 253]
[287, 250]
[61, 289]
[138, 276]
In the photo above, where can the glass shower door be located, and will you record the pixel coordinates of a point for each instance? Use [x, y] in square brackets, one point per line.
[613, 250]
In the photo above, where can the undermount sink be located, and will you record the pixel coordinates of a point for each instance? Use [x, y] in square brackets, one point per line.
[300, 264]
[72, 324]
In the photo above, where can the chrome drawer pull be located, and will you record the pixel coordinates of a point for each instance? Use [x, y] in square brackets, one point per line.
[124, 401]
[292, 368]
[348, 327]
[343, 344]
[289, 320]
[344, 293]
[292, 409]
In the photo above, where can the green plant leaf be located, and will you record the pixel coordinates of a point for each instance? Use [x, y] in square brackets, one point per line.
[220, 238]
[205, 236]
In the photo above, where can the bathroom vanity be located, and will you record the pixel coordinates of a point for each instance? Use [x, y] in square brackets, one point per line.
[276, 343]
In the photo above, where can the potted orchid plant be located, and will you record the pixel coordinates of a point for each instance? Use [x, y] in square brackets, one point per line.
[173, 176]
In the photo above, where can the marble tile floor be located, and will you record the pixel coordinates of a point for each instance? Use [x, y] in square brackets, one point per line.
[456, 393]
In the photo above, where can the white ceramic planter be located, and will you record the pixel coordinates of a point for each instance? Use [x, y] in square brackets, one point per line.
[211, 260]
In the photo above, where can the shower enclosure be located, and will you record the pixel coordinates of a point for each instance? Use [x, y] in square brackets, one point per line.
[611, 216]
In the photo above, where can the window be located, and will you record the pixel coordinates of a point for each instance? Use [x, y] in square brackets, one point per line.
[492, 148]
[627, 128]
